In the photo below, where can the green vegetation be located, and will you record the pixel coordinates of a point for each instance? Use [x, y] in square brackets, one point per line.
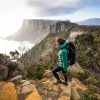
[91, 88]
[88, 51]
[82, 76]
[39, 72]
[91, 80]
[34, 72]
[88, 96]
[87, 78]
[88, 48]
[12, 66]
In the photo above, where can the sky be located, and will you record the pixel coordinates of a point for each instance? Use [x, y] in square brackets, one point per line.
[12, 12]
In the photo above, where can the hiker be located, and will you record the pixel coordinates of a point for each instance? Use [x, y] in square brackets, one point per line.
[62, 61]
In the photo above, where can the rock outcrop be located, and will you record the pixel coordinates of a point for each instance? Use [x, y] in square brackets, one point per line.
[8, 91]
[44, 89]
[27, 91]
[3, 72]
[16, 79]
[34, 96]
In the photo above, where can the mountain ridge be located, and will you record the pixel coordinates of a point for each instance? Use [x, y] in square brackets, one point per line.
[91, 21]
[34, 30]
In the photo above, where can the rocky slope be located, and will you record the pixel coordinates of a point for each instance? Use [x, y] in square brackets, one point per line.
[45, 89]
[33, 30]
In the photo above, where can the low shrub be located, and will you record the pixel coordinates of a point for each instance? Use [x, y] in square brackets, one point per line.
[82, 76]
[34, 73]
[88, 96]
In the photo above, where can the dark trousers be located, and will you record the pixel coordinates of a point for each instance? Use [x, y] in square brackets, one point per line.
[57, 69]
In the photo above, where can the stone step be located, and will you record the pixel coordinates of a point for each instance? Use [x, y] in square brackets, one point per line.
[74, 94]
[47, 88]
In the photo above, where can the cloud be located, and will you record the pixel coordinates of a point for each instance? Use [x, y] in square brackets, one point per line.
[52, 8]
[58, 7]
[56, 11]
[52, 3]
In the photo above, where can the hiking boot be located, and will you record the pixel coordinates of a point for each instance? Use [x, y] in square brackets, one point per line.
[65, 83]
[58, 82]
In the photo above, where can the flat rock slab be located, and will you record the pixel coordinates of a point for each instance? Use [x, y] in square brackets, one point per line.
[17, 79]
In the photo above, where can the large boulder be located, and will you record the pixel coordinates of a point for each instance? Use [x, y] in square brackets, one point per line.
[34, 95]
[7, 91]
[27, 91]
[25, 88]
[48, 74]
[3, 72]
[21, 66]
[24, 91]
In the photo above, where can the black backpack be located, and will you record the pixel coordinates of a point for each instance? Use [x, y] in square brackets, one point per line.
[71, 53]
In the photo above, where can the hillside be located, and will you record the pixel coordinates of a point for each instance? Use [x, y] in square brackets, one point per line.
[89, 52]
[43, 52]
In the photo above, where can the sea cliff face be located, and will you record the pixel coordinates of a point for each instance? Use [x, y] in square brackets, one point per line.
[33, 30]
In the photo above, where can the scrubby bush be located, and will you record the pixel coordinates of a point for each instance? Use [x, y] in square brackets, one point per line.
[88, 96]
[29, 73]
[34, 72]
[88, 50]
[91, 80]
[86, 78]
[91, 88]
[39, 72]
[82, 76]
[12, 66]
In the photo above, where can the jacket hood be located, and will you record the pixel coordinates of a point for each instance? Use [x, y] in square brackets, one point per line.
[63, 46]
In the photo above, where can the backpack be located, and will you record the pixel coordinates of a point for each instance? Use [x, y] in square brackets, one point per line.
[71, 53]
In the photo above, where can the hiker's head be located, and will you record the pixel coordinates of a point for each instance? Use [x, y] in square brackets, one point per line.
[60, 41]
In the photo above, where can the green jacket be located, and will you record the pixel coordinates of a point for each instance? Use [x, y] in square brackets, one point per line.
[63, 57]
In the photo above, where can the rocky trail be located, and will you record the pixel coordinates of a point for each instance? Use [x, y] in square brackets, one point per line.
[44, 89]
